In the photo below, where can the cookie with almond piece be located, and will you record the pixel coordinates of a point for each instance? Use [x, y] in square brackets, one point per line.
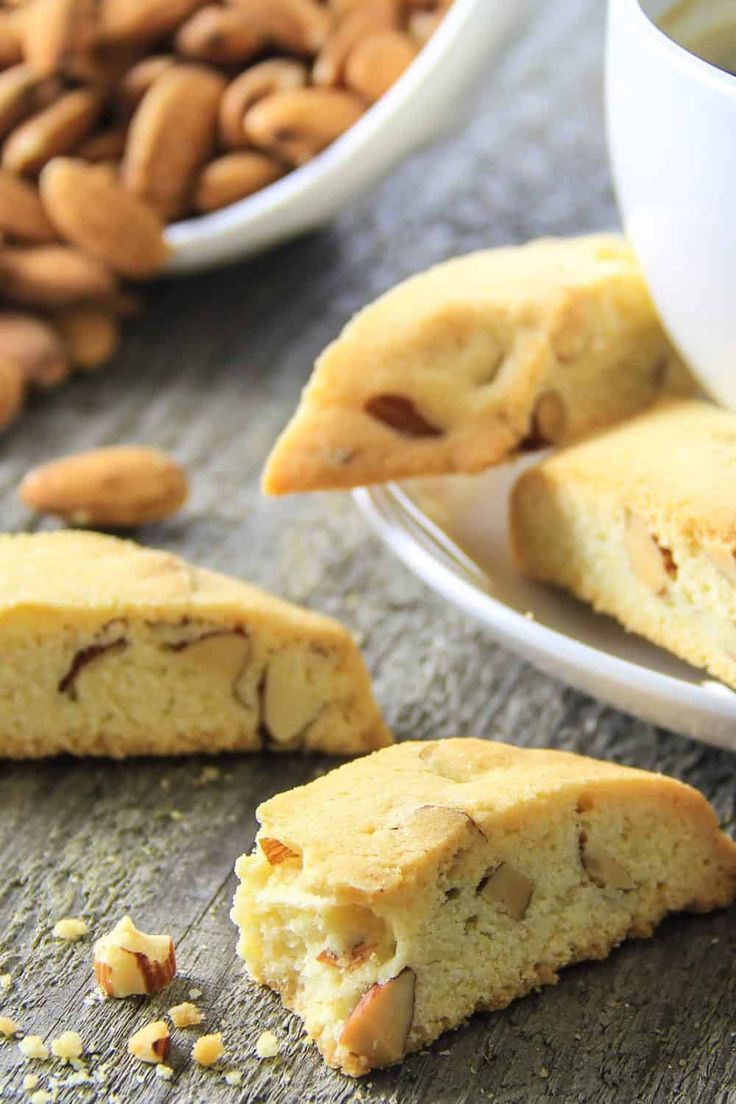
[479, 358]
[113, 649]
[431, 880]
[641, 522]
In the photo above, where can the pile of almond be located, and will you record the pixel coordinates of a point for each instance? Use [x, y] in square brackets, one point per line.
[119, 116]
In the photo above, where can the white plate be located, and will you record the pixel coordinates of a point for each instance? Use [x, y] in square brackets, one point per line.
[420, 107]
[452, 532]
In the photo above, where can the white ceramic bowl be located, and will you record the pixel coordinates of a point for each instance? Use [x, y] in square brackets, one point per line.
[418, 108]
[672, 139]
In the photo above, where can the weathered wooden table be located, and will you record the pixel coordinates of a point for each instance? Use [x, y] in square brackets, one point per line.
[211, 373]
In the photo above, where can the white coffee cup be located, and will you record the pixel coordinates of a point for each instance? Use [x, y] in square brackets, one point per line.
[672, 141]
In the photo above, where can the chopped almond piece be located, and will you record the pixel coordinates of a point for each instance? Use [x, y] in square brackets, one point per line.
[151, 1043]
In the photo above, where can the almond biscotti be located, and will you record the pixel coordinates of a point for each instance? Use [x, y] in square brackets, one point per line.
[641, 522]
[392, 898]
[464, 365]
[113, 649]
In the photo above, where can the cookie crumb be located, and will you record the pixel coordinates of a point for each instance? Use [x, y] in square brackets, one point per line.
[68, 1045]
[33, 1046]
[164, 1072]
[209, 774]
[208, 1049]
[30, 1081]
[6, 982]
[194, 993]
[267, 1045]
[185, 1015]
[8, 1027]
[70, 928]
[41, 1097]
[233, 1077]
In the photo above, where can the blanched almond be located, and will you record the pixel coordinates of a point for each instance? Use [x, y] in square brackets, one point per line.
[121, 486]
[171, 135]
[548, 421]
[221, 36]
[142, 20]
[724, 561]
[274, 75]
[377, 61]
[22, 216]
[379, 1025]
[54, 131]
[53, 276]
[296, 125]
[508, 889]
[232, 177]
[89, 334]
[603, 869]
[650, 562]
[292, 697]
[101, 217]
[32, 344]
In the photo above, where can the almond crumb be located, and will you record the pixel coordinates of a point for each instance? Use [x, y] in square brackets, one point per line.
[267, 1045]
[68, 1045]
[185, 1015]
[128, 962]
[208, 1049]
[33, 1046]
[233, 1077]
[30, 1081]
[164, 1072]
[8, 1027]
[151, 1043]
[70, 928]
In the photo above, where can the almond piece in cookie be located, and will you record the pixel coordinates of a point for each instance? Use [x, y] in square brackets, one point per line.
[640, 521]
[128, 962]
[462, 366]
[472, 872]
[113, 649]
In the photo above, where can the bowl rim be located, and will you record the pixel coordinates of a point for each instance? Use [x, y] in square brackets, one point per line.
[356, 140]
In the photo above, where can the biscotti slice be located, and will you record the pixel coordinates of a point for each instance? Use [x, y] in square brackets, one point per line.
[112, 649]
[641, 522]
[393, 897]
[464, 365]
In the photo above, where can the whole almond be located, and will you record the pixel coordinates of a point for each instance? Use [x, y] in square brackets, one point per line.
[232, 177]
[96, 213]
[142, 20]
[22, 216]
[35, 347]
[296, 125]
[53, 276]
[139, 78]
[106, 145]
[90, 335]
[273, 75]
[12, 392]
[171, 135]
[294, 26]
[362, 20]
[18, 89]
[55, 32]
[117, 487]
[221, 36]
[377, 61]
[10, 48]
[52, 132]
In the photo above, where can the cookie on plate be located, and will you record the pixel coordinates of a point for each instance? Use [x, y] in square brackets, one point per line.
[464, 365]
[641, 522]
[113, 649]
[392, 898]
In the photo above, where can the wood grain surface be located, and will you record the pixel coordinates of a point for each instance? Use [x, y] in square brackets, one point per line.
[211, 373]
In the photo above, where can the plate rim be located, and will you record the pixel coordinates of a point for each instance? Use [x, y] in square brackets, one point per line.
[432, 555]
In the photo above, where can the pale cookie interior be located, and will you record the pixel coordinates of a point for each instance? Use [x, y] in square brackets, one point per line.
[462, 366]
[641, 523]
[110, 649]
[448, 877]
